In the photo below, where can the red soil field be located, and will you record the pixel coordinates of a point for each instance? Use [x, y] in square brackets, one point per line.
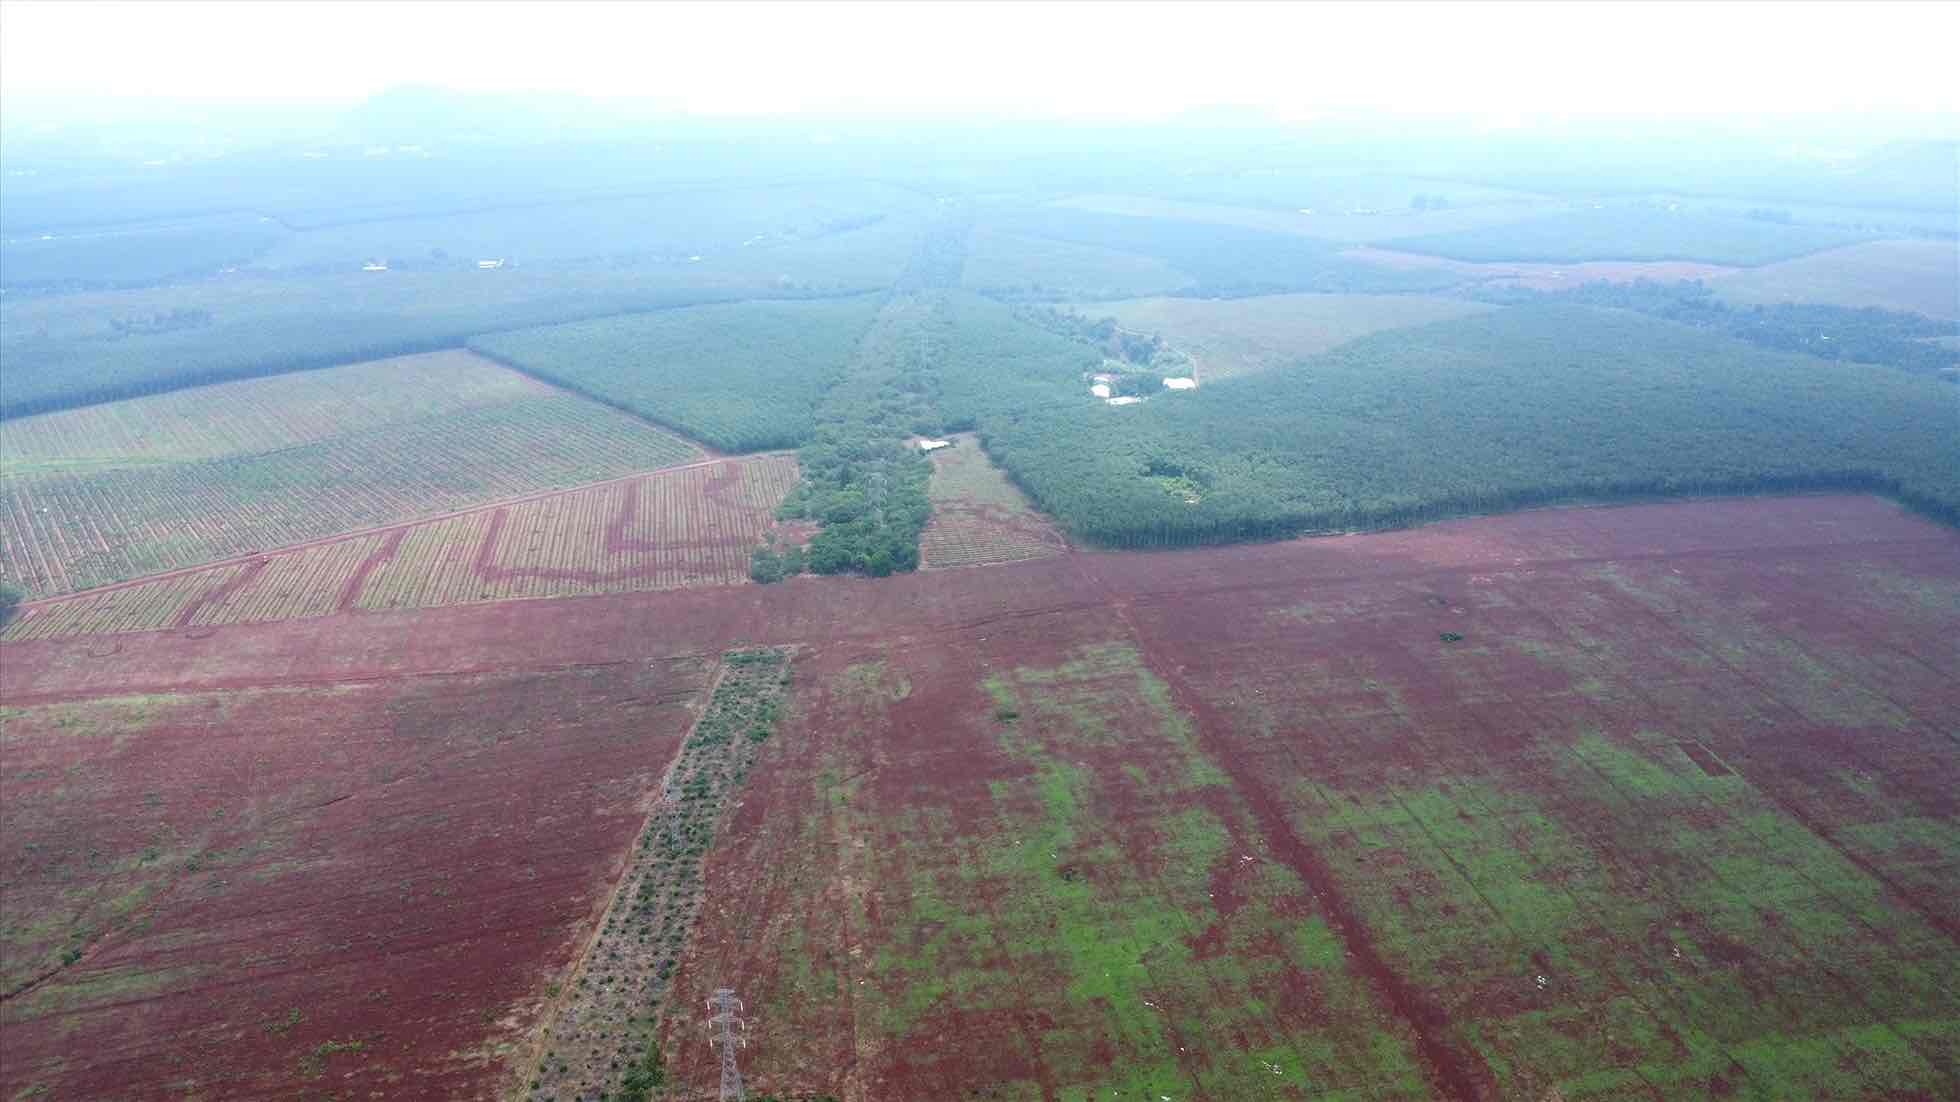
[1544, 277]
[431, 804]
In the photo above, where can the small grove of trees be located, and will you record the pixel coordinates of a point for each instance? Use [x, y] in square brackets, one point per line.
[10, 598]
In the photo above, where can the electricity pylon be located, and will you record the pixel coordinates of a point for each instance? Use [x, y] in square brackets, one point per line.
[731, 1032]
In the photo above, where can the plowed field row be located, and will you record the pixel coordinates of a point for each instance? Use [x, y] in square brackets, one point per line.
[665, 530]
[66, 532]
[978, 516]
[256, 415]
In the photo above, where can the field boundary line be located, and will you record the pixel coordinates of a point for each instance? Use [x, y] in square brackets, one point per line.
[567, 981]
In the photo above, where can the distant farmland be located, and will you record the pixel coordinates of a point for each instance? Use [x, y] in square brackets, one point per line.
[1631, 232]
[107, 492]
[1918, 276]
[666, 530]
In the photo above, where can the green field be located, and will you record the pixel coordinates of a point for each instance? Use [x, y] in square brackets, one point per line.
[741, 377]
[1242, 336]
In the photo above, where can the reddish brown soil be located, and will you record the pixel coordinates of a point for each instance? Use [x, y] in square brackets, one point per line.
[1543, 277]
[428, 805]
[401, 862]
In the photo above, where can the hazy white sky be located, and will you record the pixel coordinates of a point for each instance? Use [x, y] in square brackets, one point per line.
[1099, 59]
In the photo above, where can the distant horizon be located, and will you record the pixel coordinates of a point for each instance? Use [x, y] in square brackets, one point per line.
[1496, 63]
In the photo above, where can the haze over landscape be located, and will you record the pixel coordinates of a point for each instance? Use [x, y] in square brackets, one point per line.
[901, 553]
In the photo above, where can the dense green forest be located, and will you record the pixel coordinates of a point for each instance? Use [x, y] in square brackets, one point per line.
[1639, 231]
[739, 376]
[1865, 335]
[1221, 261]
[1516, 408]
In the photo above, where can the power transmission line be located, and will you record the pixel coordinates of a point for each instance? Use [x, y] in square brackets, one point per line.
[731, 1032]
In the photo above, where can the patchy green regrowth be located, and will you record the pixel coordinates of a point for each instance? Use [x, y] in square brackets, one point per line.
[603, 1038]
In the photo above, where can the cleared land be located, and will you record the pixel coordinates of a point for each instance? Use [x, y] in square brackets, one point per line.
[1543, 277]
[1922, 277]
[667, 530]
[1242, 336]
[1674, 817]
[292, 889]
[96, 495]
[977, 515]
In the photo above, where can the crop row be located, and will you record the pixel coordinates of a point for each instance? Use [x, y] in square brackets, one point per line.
[147, 607]
[71, 531]
[257, 415]
[664, 531]
[603, 1042]
[661, 531]
[742, 376]
[961, 537]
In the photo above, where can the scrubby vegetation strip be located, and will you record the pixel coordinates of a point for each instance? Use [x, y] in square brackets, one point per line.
[604, 1040]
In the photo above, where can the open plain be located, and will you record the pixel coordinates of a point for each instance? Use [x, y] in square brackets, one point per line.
[1637, 802]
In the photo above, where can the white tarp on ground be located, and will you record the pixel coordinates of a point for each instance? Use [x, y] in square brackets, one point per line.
[934, 445]
[1100, 390]
[1180, 384]
[1126, 400]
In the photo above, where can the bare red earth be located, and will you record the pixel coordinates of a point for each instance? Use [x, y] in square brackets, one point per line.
[421, 809]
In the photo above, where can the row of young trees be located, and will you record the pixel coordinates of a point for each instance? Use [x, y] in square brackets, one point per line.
[741, 376]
